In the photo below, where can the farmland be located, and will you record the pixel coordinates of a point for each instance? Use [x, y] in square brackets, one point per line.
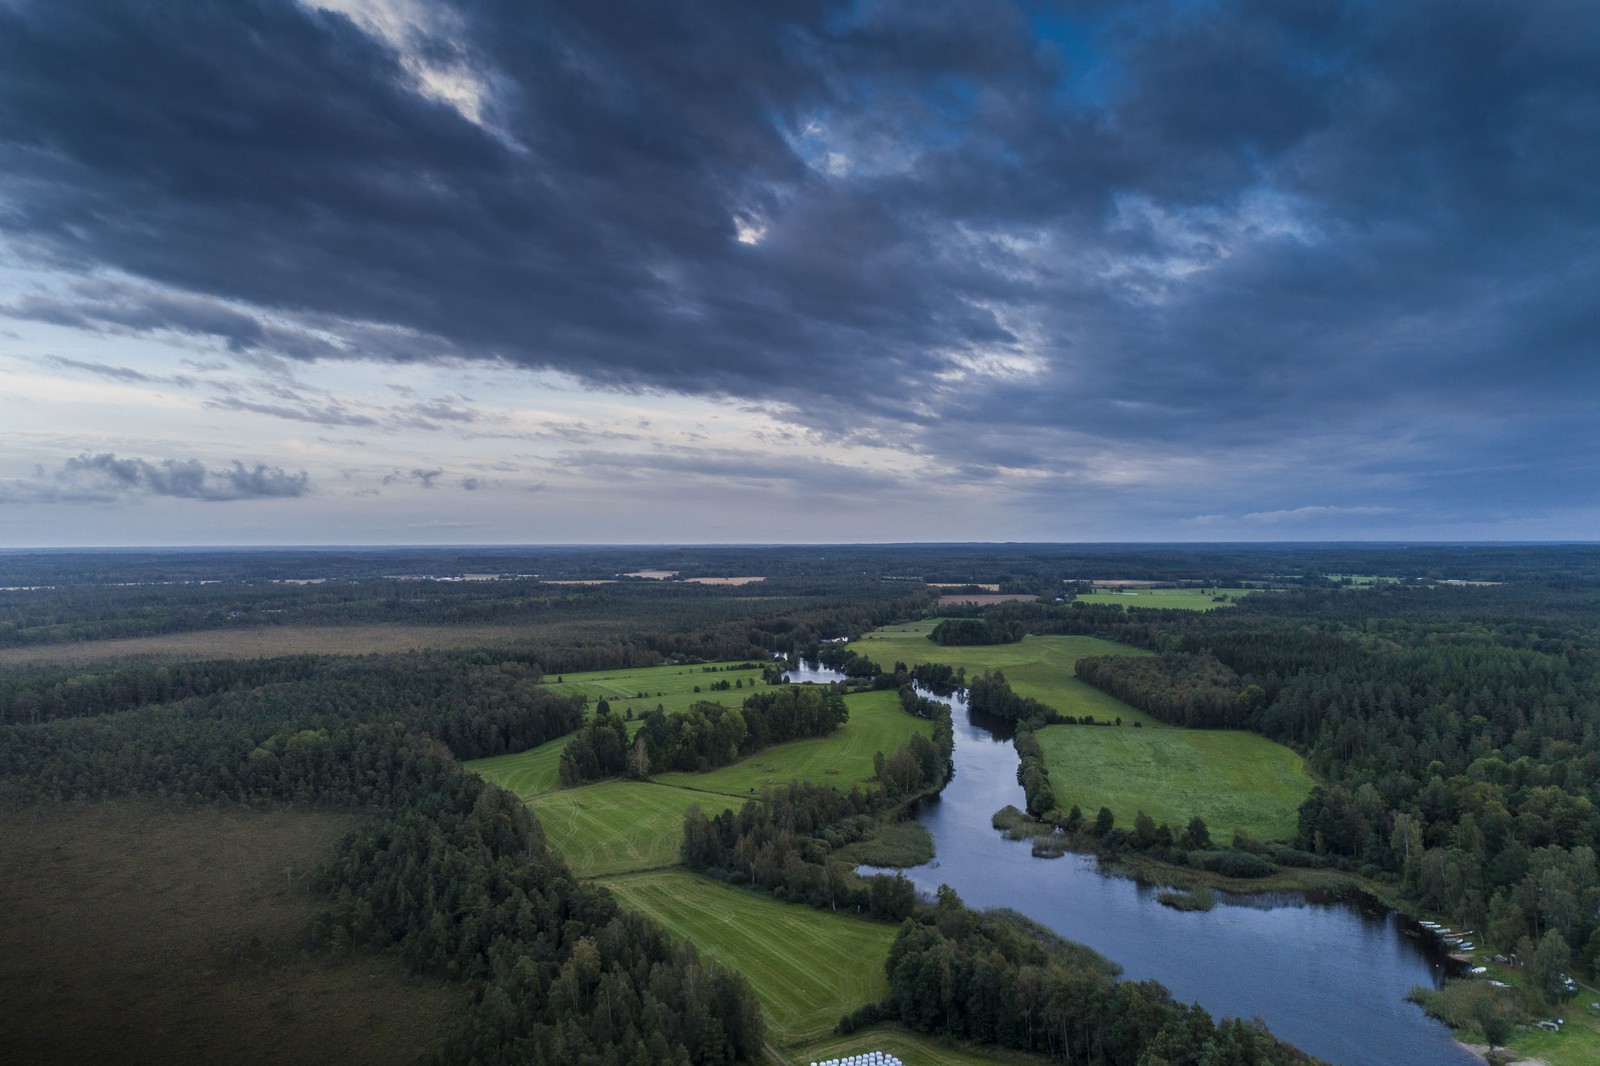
[1233, 780]
[613, 826]
[1170, 599]
[1036, 667]
[807, 967]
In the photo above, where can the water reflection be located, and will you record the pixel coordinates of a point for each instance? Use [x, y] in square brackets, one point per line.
[1330, 977]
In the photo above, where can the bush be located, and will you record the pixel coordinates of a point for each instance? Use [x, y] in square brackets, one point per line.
[1231, 863]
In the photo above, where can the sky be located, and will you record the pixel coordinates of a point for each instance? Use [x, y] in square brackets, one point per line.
[712, 271]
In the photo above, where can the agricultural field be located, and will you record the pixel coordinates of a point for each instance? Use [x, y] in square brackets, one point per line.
[1233, 780]
[674, 688]
[612, 827]
[1037, 667]
[844, 759]
[807, 967]
[178, 935]
[527, 773]
[1171, 599]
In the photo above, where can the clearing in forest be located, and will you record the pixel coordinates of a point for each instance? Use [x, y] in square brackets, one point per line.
[1171, 599]
[613, 826]
[1232, 779]
[807, 967]
[1036, 667]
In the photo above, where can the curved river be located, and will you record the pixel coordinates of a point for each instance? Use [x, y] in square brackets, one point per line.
[1328, 977]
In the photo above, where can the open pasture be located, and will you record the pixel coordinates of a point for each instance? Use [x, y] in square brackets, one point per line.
[807, 967]
[615, 826]
[1171, 599]
[639, 689]
[1233, 780]
[1038, 667]
[844, 759]
[527, 773]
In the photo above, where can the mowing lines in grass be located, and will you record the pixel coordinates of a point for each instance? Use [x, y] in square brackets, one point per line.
[807, 967]
[616, 826]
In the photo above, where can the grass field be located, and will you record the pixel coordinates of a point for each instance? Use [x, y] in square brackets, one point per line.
[1172, 599]
[615, 826]
[807, 967]
[640, 689]
[1234, 780]
[1578, 1043]
[132, 933]
[1037, 667]
[844, 759]
[527, 773]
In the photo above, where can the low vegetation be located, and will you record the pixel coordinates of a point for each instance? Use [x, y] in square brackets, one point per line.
[1235, 781]
[807, 967]
[178, 934]
[1208, 599]
[1036, 667]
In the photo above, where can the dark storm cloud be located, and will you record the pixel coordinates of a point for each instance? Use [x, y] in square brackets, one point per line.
[105, 477]
[1158, 225]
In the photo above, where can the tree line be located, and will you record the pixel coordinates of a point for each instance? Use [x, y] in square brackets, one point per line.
[1456, 731]
[705, 736]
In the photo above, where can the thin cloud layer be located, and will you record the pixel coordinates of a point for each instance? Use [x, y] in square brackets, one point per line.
[106, 478]
[1331, 261]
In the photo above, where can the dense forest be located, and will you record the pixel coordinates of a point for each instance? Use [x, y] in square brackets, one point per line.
[1456, 728]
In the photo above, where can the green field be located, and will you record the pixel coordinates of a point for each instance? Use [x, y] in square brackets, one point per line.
[615, 826]
[641, 688]
[1037, 667]
[527, 773]
[1172, 599]
[807, 967]
[844, 759]
[1234, 780]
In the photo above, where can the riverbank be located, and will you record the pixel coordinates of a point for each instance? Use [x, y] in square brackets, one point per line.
[1320, 885]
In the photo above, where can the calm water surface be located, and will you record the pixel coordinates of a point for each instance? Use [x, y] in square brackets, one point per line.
[1329, 977]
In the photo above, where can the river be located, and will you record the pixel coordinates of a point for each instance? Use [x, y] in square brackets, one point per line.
[1328, 977]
